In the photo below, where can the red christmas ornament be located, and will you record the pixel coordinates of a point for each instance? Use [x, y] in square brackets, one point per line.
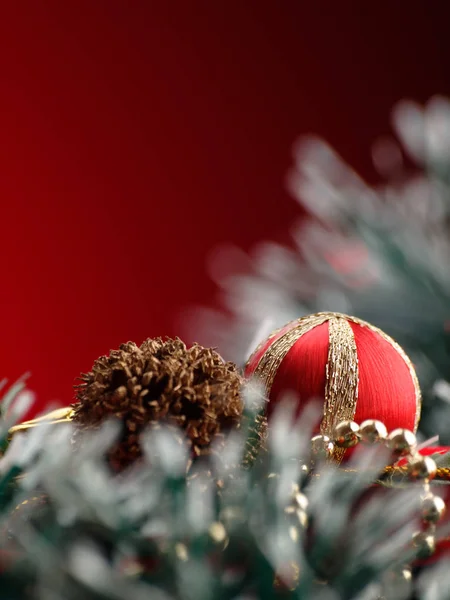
[354, 368]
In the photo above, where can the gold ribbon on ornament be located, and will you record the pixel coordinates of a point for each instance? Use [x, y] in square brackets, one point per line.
[342, 376]
[341, 370]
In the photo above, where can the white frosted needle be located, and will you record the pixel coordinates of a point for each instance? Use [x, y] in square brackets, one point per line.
[262, 332]
[427, 443]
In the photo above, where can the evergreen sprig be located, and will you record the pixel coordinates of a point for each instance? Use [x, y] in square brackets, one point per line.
[73, 528]
[378, 253]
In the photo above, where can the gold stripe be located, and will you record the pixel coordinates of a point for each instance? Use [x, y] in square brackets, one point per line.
[272, 335]
[341, 388]
[340, 332]
[271, 359]
[397, 348]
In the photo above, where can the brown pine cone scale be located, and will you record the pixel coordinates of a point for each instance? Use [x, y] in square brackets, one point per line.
[161, 381]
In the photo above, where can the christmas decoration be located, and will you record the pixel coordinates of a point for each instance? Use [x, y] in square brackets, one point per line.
[276, 531]
[362, 376]
[193, 389]
[400, 443]
[358, 371]
[55, 417]
[292, 524]
[377, 252]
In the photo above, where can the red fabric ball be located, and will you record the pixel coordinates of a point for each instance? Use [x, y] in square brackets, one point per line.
[310, 355]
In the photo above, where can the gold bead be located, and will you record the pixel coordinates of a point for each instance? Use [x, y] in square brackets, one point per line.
[304, 470]
[302, 519]
[397, 583]
[181, 552]
[372, 431]
[301, 501]
[345, 434]
[403, 574]
[297, 516]
[293, 533]
[425, 543]
[297, 509]
[433, 508]
[321, 447]
[421, 467]
[401, 441]
[218, 534]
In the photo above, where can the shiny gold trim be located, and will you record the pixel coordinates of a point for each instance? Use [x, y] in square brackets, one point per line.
[395, 472]
[271, 359]
[342, 376]
[272, 335]
[60, 415]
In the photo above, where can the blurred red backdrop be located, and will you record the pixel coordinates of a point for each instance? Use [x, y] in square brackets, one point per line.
[137, 135]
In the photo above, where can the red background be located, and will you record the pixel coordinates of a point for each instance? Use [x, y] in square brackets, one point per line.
[137, 135]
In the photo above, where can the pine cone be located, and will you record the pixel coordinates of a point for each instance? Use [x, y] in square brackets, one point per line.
[160, 382]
